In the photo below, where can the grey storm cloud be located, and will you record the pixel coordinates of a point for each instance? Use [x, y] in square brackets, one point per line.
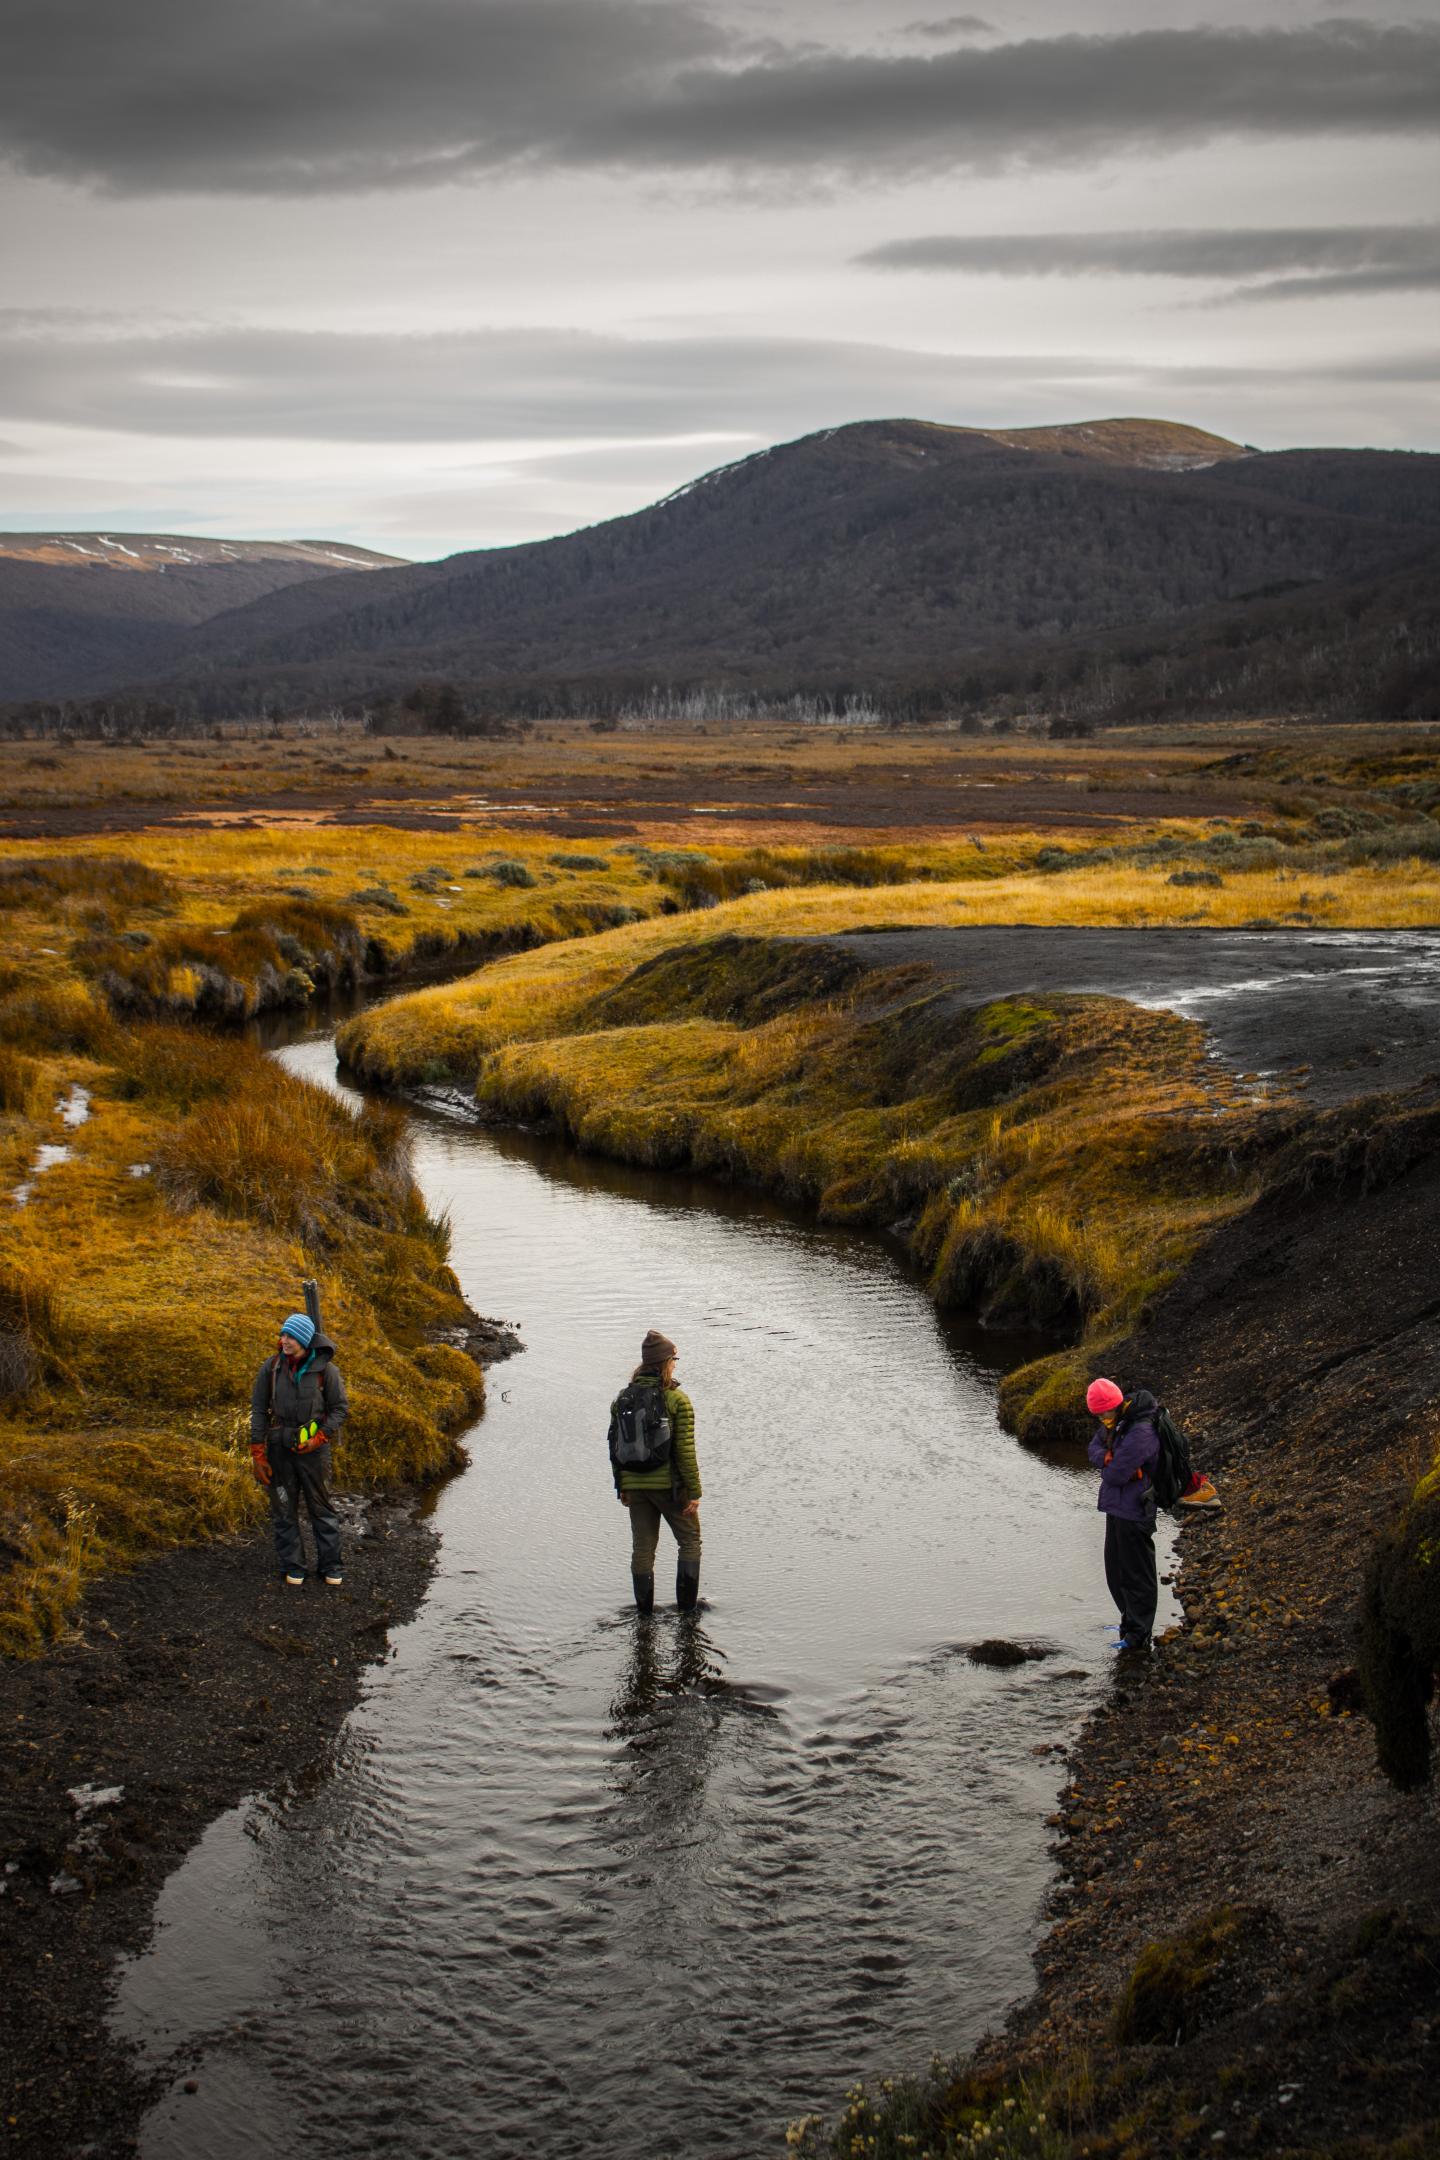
[294, 96]
[1286, 262]
[289, 96]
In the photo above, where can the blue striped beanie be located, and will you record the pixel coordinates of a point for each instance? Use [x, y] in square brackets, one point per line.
[300, 1328]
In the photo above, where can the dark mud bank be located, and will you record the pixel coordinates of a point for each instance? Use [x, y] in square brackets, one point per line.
[1226, 1800]
[190, 1683]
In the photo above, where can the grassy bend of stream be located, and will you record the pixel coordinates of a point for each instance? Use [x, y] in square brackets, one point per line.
[583, 1884]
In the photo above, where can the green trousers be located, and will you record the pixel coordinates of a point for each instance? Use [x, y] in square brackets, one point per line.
[647, 1511]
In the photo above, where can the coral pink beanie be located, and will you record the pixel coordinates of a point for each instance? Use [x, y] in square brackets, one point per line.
[1102, 1396]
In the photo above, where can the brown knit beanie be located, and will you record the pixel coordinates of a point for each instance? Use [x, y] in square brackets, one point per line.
[656, 1348]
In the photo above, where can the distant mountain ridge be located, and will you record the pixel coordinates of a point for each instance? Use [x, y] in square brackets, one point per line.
[79, 606]
[171, 551]
[898, 558]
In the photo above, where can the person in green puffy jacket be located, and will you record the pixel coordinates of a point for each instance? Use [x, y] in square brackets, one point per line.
[667, 1493]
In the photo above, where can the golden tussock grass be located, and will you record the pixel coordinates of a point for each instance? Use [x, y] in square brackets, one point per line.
[228, 922]
[1055, 1162]
[135, 1309]
[445, 1033]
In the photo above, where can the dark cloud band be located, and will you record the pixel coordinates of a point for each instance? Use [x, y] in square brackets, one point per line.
[1285, 261]
[271, 97]
[950, 27]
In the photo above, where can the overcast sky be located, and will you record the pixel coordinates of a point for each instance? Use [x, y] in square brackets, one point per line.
[433, 274]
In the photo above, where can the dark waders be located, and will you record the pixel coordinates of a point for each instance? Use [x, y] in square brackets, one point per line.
[647, 1511]
[1130, 1573]
[296, 1481]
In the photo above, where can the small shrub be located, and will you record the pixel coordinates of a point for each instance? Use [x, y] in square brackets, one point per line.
[1195, 877]
[572, 862]
[507, 871]
[376, 896]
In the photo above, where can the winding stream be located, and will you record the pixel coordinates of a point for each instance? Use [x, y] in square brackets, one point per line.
[577, 1884]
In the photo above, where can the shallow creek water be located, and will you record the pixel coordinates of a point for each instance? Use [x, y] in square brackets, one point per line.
[580, 1884]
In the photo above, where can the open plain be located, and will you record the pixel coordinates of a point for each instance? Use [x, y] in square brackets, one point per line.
[1135, 1042]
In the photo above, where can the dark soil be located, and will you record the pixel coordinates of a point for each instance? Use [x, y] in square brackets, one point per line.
[587, 806]
[195, 1680]
[1334, 1013]
[1302, 1352]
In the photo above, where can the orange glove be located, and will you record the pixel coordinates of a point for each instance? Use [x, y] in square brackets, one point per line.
[309, 1437]
[260, 1463]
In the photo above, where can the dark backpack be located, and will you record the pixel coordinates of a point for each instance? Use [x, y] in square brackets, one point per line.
[1173, 1470]
[640, 1427]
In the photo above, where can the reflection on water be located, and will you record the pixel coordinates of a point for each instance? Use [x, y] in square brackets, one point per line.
[582, 1883]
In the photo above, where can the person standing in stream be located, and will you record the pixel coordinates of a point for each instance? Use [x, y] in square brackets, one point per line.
[1124, 1449]
[657, 1476]
[297, 1408]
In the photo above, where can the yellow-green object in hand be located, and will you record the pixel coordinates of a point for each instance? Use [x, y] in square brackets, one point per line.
[309, 1436]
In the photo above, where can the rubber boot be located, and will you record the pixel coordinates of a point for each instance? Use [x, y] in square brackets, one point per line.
[644, 1592]
[687, 1584]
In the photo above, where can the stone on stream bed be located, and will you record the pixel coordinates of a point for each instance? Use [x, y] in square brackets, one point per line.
[995, 1650]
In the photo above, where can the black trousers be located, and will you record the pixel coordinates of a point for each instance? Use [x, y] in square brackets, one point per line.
[1130, 1573]
[303, 1480]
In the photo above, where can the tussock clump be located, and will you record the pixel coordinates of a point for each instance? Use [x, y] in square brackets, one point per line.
[28, 1323]
[19, 1367]
[294, 1159]
[78, 1501]
[45, 879]
[177, 1068]
[1172, 1990]
[1400, 1635]
[314, 926]
[22, 1085]
[276, 952]
[727, 978]
[55, 1017]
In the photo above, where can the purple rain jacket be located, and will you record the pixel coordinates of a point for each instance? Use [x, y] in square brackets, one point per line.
[1134, 1445]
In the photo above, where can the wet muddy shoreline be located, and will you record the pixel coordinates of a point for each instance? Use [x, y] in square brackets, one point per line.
[189, 1682]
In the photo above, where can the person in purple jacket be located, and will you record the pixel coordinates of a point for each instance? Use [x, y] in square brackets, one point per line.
[1123, 1449]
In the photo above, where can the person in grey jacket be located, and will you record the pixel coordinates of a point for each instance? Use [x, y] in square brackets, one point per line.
[298, 1406]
